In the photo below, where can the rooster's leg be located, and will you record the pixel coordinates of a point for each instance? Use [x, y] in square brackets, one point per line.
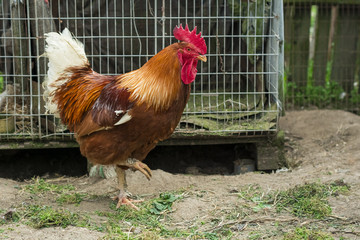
[123, 197]
[135, 164]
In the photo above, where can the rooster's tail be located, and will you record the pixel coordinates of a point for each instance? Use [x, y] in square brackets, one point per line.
[63, 52]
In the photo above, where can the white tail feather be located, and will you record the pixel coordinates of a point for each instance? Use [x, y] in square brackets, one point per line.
[63, 52]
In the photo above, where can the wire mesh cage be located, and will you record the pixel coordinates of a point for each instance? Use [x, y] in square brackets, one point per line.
[236, 92]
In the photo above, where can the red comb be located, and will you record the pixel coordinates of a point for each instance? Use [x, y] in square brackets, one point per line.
[185, 35]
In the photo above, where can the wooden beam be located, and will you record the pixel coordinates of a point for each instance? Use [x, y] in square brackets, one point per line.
[20, 46]
[334, 14]
[39, 10]
[321, 46]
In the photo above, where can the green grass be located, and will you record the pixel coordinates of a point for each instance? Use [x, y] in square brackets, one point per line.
[305, 234]
[147, 223]
[1, 82]
[71, 198]
[45, 216]
[329, 95]
[151, 221]
[148, 219]
[255, 195]
[41, 186]
[308, 200]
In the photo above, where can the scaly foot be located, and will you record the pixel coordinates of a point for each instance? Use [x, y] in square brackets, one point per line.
[135, 164]
[123, 199]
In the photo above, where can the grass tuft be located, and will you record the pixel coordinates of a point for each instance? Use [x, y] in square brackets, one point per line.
[45, 216]
[71, 198]
[41, 186]
[310, 200]
[305, 234]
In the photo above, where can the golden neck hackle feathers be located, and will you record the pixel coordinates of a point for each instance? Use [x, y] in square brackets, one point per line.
[157, 83]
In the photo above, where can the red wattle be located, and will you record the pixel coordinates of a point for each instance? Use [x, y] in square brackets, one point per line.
[188, 72]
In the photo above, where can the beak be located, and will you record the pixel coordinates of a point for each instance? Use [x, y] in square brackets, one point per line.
[202, 58]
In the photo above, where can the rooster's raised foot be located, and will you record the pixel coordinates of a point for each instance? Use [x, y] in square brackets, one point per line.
[135, 164]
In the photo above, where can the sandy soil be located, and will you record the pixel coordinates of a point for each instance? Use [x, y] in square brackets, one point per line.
[321, 146]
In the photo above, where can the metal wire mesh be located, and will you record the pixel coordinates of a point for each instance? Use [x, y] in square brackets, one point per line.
[235, 92]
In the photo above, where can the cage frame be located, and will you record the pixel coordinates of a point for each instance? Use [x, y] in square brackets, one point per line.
[274, 60]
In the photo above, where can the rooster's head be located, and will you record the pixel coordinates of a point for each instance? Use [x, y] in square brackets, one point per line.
[192, 48]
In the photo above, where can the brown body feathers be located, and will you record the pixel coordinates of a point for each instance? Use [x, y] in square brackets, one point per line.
[120, 117]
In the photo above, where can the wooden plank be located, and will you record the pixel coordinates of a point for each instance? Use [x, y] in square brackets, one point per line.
[357, 69]
[39, 10]
[345, 41]
[321, 46]
[270, 155]
[298, 44]
[21, 48]
[288, 13]
[174, 140]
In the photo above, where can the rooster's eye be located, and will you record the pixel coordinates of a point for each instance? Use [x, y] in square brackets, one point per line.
[188, 49]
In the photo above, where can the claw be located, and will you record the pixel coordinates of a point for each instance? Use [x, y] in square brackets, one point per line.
[126, 201]
[142, 167]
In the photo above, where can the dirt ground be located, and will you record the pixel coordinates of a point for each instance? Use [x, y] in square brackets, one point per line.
[321, 146]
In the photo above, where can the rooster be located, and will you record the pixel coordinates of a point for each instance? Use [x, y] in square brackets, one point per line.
[118, 120]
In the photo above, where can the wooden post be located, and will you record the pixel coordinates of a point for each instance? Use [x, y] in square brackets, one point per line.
[334, 14]
[321, 48]
[357, 64]
[21, 47]
[40, 11]
[270, 154]
[297, 24]
[344, 55]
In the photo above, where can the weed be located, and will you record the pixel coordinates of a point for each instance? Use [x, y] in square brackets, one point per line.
[163, 203]
[331, 94]
[41, 186]
[73, 198]
[255, 194]
[253, 191]
[309, 200]
[146, 221]
[255, 236]
[304, 234]
[1, 82]
[45, 216]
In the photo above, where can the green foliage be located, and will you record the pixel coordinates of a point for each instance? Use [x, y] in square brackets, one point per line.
[118, 222]
[255, 236]
[148, 219]
[331, 94]
[309, 200]
[41, 186]
[305, 234]
[45, 216]
[71, 198]
[163, 203]
[2, 220]
[355, 95]
[255, 194]
[1, 82]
